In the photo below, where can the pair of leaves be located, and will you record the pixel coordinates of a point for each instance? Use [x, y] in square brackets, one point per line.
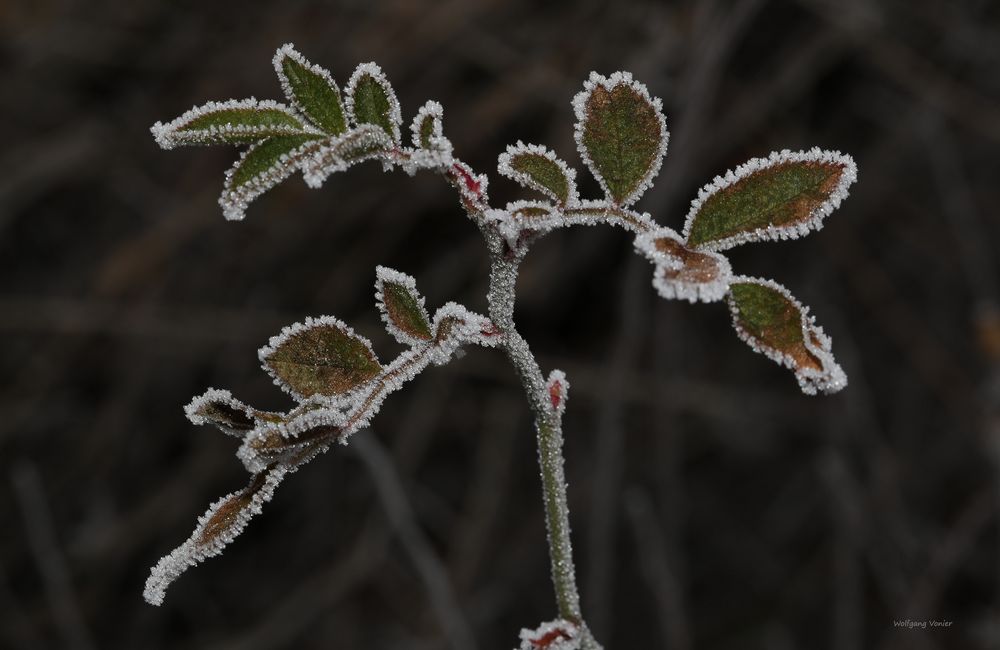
[783, 196]
[319, 132]
[622, 137]
[324, 356]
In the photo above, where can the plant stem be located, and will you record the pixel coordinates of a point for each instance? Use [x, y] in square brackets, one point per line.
[548, 424]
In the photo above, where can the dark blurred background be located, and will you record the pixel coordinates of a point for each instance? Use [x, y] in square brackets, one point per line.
[714, 506]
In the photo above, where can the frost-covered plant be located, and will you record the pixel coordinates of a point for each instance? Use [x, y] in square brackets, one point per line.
[334, 375]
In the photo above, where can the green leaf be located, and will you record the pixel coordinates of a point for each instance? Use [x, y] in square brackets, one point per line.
[311, 89]
[232, 122]
[621, 134]
[402, 307]
[267, 154]
[780, 197]
[425, 131]
[261, 167]
[320, 356]
[371, 100]
[537, 168]
[772, 322]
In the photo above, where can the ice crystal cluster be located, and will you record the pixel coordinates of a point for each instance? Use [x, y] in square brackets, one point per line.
[333, 374]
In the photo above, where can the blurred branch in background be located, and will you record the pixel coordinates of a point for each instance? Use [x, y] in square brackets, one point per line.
[714, 507]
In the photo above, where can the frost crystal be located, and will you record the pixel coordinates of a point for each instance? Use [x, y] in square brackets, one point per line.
[220, 525]
[559, 634]
[682, 273]
[779, 207]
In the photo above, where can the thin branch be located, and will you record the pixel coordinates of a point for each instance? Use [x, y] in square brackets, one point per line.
[432, 571]
[50, 561]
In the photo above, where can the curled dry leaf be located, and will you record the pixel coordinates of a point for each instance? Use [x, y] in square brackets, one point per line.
[559, 634]
[682, 273]
[774, 323]
[261, 167]
[220, 408]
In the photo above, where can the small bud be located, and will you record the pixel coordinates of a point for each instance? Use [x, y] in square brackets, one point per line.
[558, 389]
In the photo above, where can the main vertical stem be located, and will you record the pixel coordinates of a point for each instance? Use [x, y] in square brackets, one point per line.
[503, 277]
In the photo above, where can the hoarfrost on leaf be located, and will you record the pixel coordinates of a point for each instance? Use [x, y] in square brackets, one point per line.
[621, 134]
[261, 167]
[311, 89]
[242, 121]
[339, 153]
[402, 306]
[220, 525]
[783, 196]
[319, 356]
[559, 634]
[218, 407]
[682, 273]
[771, 321]
[371, 100]
[538, 168]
